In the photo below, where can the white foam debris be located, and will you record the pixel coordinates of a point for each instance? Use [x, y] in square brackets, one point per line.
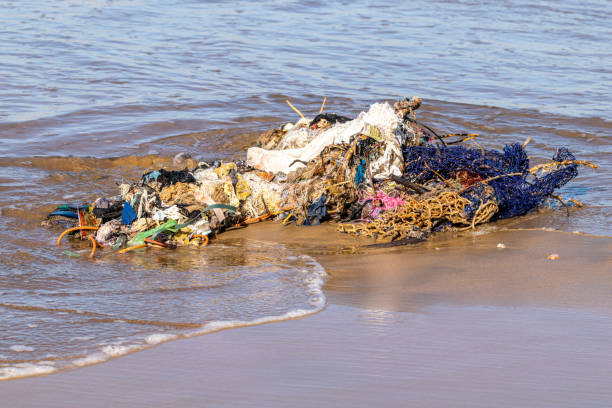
[501, 245]
[20, 348]
[31, 325]
[158, 338]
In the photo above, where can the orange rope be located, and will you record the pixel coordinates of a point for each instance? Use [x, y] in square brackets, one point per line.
[159, 244]
[254, 220]
[69, 230]
[121, 251]
[203, 237]
[94, 244]
[257, 219]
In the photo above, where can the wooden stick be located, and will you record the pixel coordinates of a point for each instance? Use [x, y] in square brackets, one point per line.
[416, 187]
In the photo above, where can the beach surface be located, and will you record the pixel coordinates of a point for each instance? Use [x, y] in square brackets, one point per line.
[452, 322]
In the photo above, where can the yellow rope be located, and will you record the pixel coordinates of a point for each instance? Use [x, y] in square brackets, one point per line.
[294, 108]
[553, 164]
[421, 214]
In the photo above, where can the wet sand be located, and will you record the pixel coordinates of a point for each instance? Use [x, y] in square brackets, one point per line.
[451, 322]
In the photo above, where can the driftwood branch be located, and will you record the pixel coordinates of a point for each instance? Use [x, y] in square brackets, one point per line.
[413, 186]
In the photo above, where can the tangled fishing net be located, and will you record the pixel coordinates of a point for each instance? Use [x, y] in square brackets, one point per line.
[382, 175]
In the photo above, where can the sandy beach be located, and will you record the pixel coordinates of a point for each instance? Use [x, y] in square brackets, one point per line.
[431, 325]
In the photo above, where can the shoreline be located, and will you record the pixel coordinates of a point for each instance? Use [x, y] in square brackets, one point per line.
[442, 357]
[511, 303]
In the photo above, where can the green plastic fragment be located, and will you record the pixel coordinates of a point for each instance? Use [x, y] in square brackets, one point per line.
[140, 237]
[120, 242]
[72, 254]
[227, 207]
[70, 207]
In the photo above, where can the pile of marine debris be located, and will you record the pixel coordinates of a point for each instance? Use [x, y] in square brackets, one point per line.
[382, 175]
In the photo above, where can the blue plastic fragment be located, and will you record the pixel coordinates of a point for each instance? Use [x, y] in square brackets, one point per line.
[64, 213]
[128, 215]
[152, 176]
[359, 174]
[316, 211]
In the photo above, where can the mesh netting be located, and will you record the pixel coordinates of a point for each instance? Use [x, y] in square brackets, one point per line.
[423, 162]
[501, 177]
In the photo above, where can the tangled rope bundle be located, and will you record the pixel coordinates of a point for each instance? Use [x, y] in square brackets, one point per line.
[415, 216]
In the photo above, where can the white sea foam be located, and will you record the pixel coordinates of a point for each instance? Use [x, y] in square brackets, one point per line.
[90, 359]
[106, 353]
[25, 370]
[314, 278]
[158, 338]
[20, 348]
[115, 350]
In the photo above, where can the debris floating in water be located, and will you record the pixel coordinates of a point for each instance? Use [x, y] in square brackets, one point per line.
[382, 175]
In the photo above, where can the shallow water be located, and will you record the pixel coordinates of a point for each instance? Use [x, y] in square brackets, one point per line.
[95, 92]
[69, 312]
[102, 77]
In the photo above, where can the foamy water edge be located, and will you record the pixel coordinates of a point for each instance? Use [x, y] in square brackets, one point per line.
[314, 276]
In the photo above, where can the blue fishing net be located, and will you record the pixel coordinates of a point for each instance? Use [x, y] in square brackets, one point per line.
[515, 194]
[423, 162]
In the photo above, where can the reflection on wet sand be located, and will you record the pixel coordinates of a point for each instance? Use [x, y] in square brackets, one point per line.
[461, 269]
